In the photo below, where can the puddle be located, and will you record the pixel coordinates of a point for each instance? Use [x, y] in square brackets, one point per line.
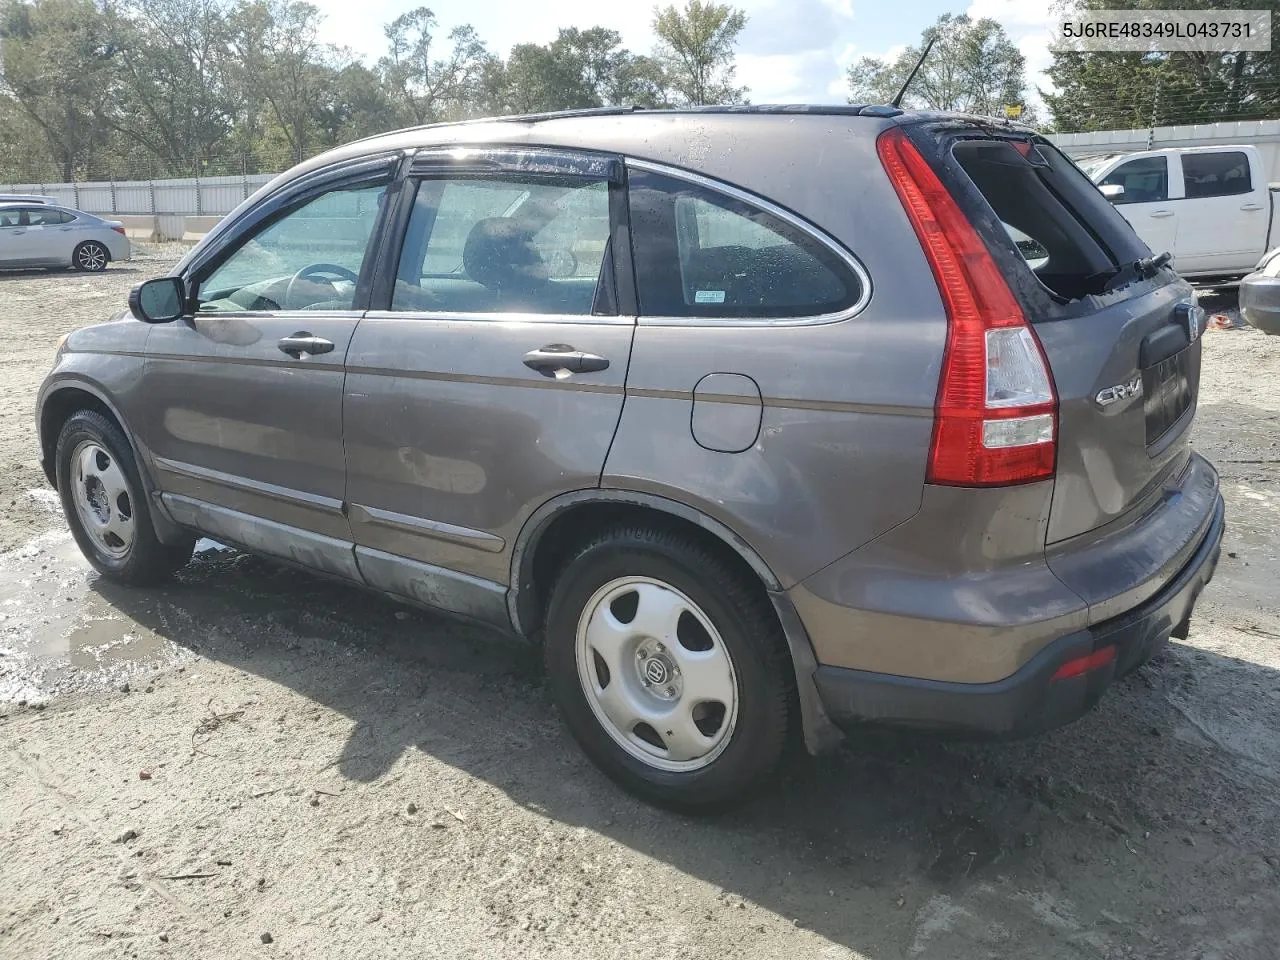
[58, 635]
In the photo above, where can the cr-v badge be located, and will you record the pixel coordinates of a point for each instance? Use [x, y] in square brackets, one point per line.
[1121, 391]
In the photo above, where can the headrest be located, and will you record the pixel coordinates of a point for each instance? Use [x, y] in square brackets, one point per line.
[500, 255]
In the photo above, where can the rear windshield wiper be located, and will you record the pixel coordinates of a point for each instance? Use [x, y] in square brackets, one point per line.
[1131, 272]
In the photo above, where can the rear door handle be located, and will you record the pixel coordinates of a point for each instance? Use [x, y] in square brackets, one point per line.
[1158, 214]
[1250, 206]
[560, 359]
[303, 342]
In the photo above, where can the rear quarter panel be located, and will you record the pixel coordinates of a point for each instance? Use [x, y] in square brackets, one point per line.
[847, 406]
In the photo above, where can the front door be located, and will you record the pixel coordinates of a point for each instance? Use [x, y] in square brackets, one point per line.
[243, 410]
[492, 378]
[1145, 202]
[26, 240]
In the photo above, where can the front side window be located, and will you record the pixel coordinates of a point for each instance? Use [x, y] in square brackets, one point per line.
[702, 254]
[309, 259]
[1145, 180]
[478, 244]
[1216, 174]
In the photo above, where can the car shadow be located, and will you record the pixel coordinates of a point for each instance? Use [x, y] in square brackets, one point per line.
[33, 272]
[893, 819]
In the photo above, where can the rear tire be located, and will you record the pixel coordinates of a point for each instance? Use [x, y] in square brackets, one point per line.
[90, 257]
[669, 668]
[105, 504]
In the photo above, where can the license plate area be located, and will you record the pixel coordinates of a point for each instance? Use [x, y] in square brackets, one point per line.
[1166, 389]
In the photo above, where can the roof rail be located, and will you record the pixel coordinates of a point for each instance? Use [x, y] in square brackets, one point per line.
[816, 109]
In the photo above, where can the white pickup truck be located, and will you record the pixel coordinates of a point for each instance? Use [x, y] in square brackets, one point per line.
[1211, 207]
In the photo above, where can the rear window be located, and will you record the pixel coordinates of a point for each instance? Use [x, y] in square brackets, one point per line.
[700, 253]
[1062, 228]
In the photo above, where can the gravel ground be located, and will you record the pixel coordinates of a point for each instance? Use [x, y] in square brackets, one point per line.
[252, 755]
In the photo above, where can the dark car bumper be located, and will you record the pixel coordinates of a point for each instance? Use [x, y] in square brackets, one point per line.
[1031, 700]
[1260, 302]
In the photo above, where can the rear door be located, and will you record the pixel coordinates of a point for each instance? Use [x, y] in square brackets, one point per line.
[1146, 201]
[491, 377]
[1122, 344]
[1223, 218]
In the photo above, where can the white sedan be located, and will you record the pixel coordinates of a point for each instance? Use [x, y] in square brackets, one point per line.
[46, 235]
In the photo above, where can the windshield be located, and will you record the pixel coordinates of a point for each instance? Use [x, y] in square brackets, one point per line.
[1093, 165]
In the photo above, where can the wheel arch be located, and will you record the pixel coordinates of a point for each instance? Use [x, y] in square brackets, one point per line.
[60, 400]
[553, 528]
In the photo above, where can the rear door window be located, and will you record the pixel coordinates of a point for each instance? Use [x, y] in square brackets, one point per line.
[1145, 180]
[49, 217]
[1216, 174]
[506, 244]
[700, 253]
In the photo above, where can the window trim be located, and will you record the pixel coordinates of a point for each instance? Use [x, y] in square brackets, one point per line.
[474, 162]
[793, 220]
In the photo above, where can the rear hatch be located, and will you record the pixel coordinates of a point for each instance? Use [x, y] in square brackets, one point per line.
[1119, 331]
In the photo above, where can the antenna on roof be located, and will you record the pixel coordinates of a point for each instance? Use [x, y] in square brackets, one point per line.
[897, 101]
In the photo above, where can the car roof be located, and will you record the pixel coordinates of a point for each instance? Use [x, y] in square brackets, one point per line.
[27, 204]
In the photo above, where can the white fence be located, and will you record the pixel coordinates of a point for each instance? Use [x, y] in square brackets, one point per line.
[191, 196]
[183, 209]
[1263, 134]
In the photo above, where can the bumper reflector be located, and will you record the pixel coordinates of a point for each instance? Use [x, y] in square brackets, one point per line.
[1086, 664]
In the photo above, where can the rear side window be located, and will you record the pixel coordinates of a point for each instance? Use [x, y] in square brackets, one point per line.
[1216, 174]
[1145, 180]
[702, 254]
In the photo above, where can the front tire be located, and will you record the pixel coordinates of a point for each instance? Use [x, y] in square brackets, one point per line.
[669, 668]
[90, 257]
[105, 504]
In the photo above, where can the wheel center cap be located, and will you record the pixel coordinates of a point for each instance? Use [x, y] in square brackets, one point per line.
[656, 671]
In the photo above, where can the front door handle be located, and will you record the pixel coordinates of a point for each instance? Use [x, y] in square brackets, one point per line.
[559, 360]
[302, 342]
[1158, 214]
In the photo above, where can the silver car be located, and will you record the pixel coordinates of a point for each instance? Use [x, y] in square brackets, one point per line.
[760, 421]
[47, 235]
[1260, 294]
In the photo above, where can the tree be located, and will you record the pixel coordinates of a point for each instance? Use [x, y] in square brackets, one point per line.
[1117, 90]
[972, 68]
[696, 51]
[427, 87]
[579, 69]
[58, 68]
[174, 100]
[283, 70]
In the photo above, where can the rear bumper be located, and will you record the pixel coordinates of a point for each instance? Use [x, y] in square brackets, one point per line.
[1260, 302]
[1029, 701]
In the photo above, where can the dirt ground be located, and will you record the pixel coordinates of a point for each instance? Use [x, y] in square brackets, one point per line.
[252, 755]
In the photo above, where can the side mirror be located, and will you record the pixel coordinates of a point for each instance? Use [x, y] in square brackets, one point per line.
[158, 301]
[1112, 191]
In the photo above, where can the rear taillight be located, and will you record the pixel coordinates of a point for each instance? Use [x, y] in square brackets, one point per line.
[996, 416]
[119, 230]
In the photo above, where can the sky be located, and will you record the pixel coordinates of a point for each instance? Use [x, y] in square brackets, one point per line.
[792, 51]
